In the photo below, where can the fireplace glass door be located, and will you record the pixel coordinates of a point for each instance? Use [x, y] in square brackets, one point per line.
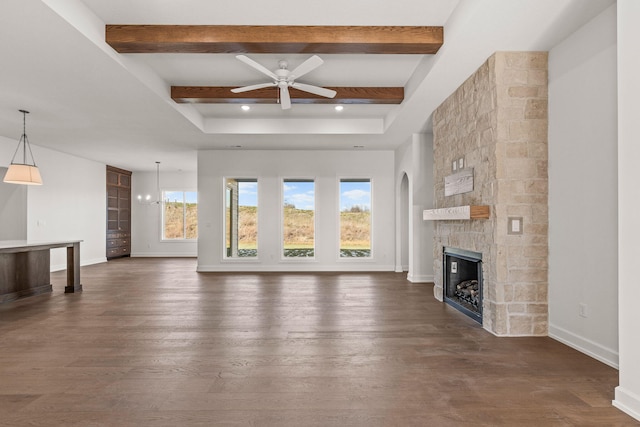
[462, 271]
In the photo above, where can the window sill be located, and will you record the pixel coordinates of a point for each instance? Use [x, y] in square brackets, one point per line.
[298, 259]
[246, 260]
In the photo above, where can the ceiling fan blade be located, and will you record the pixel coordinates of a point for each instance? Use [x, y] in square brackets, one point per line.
[253, 87]
[309, 65]
[285, 98]
[317, 90]
[250, 62]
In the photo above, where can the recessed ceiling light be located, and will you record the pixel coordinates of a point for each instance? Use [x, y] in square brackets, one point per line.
[339, 107]
[245, 108]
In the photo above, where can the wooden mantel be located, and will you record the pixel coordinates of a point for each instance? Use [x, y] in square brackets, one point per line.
[457, 212]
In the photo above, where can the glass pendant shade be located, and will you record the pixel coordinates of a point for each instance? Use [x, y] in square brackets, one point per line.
[23, 172]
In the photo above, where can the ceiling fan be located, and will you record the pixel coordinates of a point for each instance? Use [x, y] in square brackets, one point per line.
[284, 79]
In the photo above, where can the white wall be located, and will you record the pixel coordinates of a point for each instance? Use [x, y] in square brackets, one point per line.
[421, 232]
[582, 195]
[416, 160]
[627, 395]
[69, 205]
[403, 168]
[13, 210]
[270, 167]
[146, 229]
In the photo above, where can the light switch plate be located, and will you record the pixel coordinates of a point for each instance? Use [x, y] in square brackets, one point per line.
[454, 166]
[461, 163]
[515, 225]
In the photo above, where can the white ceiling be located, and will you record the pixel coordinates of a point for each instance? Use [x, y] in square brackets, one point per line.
[85, 99]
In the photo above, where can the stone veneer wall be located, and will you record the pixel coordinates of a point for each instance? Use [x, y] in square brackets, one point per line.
[497, 121]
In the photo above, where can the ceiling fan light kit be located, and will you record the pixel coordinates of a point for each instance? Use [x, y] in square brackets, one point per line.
[283, 79]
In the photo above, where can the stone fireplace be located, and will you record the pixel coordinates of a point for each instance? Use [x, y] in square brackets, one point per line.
[495, 126]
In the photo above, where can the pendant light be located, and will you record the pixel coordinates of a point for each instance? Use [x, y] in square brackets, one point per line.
[25, 172]
[159, 196]
[147, 199]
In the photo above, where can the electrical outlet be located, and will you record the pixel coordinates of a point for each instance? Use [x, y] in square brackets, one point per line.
[582, 309]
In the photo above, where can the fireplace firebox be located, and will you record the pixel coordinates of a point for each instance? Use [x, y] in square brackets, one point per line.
[462, 270]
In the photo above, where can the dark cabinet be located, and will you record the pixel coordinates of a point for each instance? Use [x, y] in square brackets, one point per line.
[118, 212]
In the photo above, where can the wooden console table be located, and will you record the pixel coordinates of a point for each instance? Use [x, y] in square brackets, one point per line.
[25, 267]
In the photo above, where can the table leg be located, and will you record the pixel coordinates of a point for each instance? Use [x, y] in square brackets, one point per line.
[73, 269]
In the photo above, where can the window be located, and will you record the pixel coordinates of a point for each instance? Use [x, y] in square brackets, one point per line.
[241, 218]
[179, 215]
[298, 215]
[355, 218]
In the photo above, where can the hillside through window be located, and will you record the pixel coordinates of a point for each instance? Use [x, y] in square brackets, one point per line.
[241, 218]
[179, 215]
[355, 218]
[298, 214]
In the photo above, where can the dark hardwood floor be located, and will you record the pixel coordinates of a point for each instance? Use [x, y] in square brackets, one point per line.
[150, 342]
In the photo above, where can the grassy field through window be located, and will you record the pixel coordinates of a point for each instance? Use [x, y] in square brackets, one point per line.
[355, 218]
[241, 218]
[299, 235]
[298, 215]
[355, 232]
[180, 216]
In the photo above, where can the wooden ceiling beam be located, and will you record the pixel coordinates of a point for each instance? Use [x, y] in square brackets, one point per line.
[345, 95]
[274, 39]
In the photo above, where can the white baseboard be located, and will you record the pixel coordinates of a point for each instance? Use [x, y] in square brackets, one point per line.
[292, 267]
[627, 402]
[590, 348]
[415, 278]
[164, 255]
[60, 267]
[402, 268]
[93, 261]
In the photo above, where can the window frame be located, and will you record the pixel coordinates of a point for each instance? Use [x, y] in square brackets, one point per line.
[283, 180]
[225, 257]
[369, 258]
[163, 200]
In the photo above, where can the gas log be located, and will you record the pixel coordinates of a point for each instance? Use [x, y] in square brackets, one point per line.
[468, 291]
